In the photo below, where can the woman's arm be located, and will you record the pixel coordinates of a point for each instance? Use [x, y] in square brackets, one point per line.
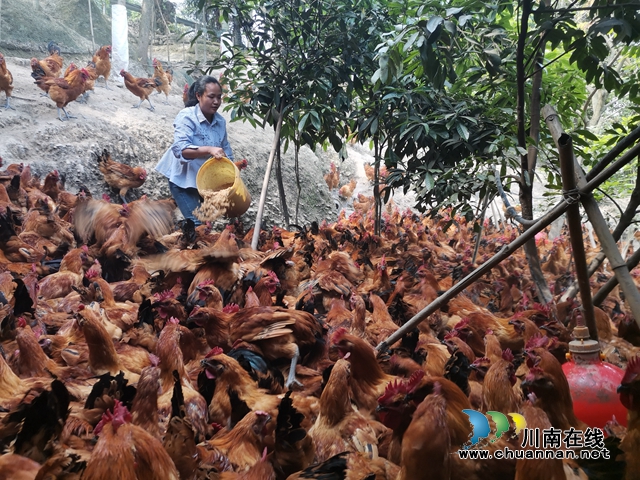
[190, 153]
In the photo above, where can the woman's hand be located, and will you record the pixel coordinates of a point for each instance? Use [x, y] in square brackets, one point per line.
[216, 152]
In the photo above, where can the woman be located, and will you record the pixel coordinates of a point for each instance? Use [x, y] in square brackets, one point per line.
[200, 133]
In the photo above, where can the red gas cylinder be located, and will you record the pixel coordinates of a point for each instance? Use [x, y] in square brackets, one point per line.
[593, 383]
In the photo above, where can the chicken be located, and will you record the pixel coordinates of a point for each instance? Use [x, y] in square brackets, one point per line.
[6, 82]
[117, 229]
[185, 94]
[127, 452]
[66, 90]
[171, 359]
[102, 61]
[179, 441]
[278, 333]
[17, 467]
[158, 73]
[346, 191]
[51, 66]
[242, 446]
[90, 83]
[333, 177]
[368, 381]
[629, 392]
[140, 87]
[338, 427]
[496, 391]
[120, 176]
[549, 384]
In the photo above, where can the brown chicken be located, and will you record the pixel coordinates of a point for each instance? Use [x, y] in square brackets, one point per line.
[278, 333]
[66, 90]
[120, 176]
[340, 428]
[90, 83]
[551, 388]
[141, 87]
[51, 66]
[346, 191]
[102, 61]
[6, 82]
[241, 447]
[118, 228]
[158, 73]
[333, 177]
[185, 94]
[126, 451]
[368, 381]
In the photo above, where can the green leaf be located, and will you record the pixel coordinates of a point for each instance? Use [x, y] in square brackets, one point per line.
[434, 23]
[462, 131]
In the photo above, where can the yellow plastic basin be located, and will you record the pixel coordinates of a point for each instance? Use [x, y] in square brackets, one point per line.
[220, 173]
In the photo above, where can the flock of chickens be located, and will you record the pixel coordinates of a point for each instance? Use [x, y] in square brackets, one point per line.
[76, 83]
[134, 350]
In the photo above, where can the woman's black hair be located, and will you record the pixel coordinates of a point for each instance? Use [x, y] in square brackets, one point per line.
[197, 88]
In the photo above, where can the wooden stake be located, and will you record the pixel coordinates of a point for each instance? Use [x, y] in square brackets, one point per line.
[265, 182]
[93, 42]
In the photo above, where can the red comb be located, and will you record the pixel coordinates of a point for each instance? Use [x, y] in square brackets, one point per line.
[338, 334]
[164, 295]
[461, 324]
[507, 355]
[231, 308]
[214, 351]
[22, 322]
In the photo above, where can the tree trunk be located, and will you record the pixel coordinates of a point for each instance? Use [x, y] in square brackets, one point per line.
[281, 191]
[297, 168]
[146, 23]
[237, 32]
[598, 101]
[528, 161]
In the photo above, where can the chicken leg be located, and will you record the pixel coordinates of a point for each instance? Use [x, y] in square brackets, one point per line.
[7, 105]
[67, 114]
[291, 378]
[151, 107]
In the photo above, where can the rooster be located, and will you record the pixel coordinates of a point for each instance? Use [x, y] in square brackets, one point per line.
[120, 176]
[141, 87]
[6, 82]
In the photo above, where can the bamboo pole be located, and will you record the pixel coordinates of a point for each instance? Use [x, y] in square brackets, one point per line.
[93, 42]
[265, 182]
[607, 242]
[570, 193]
[507, 250]
[605, 290]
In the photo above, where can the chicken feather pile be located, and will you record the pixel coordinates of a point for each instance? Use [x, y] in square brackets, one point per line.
[135, 350]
